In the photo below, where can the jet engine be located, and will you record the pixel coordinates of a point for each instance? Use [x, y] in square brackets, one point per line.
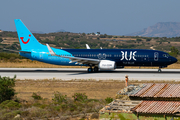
[107, 65]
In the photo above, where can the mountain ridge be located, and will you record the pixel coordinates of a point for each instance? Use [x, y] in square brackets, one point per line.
[160, 29]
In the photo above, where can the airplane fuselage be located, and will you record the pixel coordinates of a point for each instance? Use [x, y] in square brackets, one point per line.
[122, 57]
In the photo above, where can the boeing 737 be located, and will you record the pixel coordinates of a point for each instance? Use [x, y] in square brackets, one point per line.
[96, 59]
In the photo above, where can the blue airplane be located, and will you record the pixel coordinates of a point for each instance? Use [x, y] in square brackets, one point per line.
[96, 59]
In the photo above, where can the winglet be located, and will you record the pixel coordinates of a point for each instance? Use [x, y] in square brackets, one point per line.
[50, 50]
[87, 46]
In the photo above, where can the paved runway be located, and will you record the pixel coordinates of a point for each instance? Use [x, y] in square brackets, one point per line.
[81, 73]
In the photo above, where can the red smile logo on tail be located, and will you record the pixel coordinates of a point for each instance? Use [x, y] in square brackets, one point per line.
[23, 40]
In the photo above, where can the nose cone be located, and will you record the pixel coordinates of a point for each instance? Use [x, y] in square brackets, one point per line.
[173, 59]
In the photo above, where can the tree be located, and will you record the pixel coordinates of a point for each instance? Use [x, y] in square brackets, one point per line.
[7, 91]
[148, 39]
[174, 51]
[138, 40]
[98, 33]
[1, 39]
[115, 36]
[84, 34]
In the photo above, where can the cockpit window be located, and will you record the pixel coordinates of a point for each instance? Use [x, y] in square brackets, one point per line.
[166, 55]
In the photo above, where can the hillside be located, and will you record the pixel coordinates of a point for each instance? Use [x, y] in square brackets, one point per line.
[161, 29]
[10, 40]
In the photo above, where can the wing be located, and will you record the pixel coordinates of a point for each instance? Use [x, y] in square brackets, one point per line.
[17, 51]
[75, 59]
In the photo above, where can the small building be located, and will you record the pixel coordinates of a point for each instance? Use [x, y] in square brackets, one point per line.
[149, 101]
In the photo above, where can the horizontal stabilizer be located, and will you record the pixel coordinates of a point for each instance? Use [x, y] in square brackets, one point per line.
[17, 51]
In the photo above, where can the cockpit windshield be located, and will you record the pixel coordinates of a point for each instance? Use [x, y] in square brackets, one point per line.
[166, 55]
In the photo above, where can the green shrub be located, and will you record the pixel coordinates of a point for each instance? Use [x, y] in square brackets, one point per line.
[93, 100]
[36, 96]
[25, 113]
[80, 97]
[109, 100]
[10, 115]
[7, 91]
[57, 108]
[38, 112]
[64, 106]
[10, 104]
[59, 98]
[95, 116]
[72, 107]
[37, 104]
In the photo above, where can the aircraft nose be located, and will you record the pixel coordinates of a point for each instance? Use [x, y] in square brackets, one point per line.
[173, 59]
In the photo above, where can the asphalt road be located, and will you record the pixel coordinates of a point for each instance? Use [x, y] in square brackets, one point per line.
[81, 73]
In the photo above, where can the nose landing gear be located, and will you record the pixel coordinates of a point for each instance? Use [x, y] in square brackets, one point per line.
[159, 70]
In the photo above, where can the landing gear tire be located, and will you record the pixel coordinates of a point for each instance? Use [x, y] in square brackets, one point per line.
[90, 70]
[96, 69]
[159, 70]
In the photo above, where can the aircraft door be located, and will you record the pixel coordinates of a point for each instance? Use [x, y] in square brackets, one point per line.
[40, 56]
[156, 56]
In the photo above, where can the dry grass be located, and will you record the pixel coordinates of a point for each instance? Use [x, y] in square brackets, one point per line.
[46, 88]
[93, 89]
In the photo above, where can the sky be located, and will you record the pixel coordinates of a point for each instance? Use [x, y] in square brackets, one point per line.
[113, 17]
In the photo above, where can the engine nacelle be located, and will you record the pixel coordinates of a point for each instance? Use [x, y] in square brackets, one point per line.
[107, 65]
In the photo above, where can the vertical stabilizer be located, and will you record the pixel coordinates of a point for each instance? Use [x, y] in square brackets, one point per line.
[27, 40]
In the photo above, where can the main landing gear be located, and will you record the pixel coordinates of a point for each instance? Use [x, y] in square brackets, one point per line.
[90, 70]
